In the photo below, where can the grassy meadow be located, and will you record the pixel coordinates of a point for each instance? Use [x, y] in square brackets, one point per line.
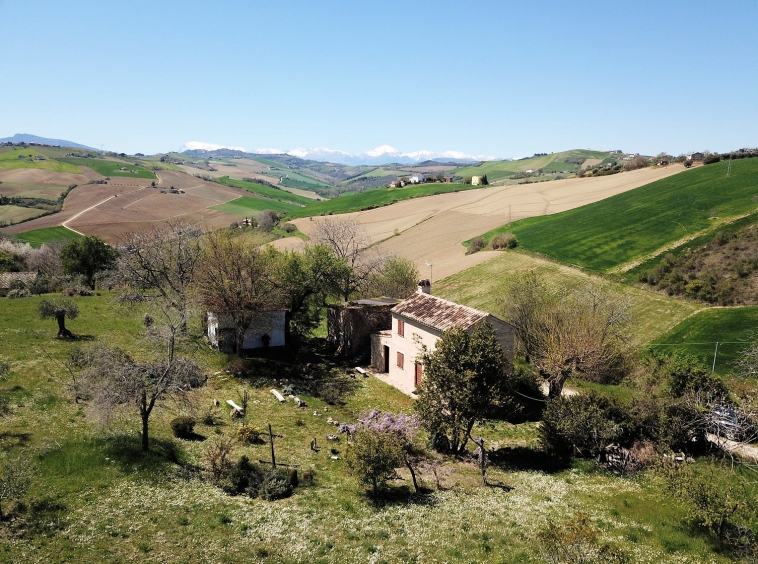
[482, 287]
[38, 237]
[554, 162]
[627, 227]
[95, 497]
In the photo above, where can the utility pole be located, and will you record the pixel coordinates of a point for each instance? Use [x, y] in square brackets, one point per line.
[431, 266]
[715, 354]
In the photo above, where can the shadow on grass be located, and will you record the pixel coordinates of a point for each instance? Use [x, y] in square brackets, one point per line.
[10, 440]
[44, 516]
[402, 495]
[194, 437]
[126, 452]
[526, 458]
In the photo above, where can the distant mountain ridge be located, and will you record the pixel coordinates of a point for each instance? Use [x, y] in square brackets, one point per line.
[380, 156]
[29, 138]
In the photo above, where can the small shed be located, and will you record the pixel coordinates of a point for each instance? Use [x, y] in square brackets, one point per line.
[350, 324]
[267, 329]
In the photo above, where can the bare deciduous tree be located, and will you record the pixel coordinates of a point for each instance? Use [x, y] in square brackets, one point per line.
[564, 333]
[350, 242]
[163, 261]
[114, 379]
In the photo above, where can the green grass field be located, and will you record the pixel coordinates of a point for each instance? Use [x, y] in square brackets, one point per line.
[95, 497]
[9, 160]
[266, 191]
[733, 328]
[629, 226]
[247, 206]
[13, 214]
[38, 237]
[376, 198]
[555, 162]
[481, 287]
[112, 168]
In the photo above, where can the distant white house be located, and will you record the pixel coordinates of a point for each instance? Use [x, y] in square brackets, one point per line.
[267, 329]
[417, 178]
[420, 320]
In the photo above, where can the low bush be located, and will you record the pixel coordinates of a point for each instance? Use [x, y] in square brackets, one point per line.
[18, 293]
[475, 246]
[183, 427]
[248, 434]
[504, 241]
[275, 485]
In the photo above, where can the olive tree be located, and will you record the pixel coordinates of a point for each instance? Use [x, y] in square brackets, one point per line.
[60, 310]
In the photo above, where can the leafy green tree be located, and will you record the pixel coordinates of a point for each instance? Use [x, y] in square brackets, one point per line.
[464, 383]
[87, 256]
[305, 281]
[60, 311]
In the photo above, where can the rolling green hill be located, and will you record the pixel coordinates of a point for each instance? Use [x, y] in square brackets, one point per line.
[26, 157]
[247, 206]
[37, 237]
[632, 225]
[554, 162]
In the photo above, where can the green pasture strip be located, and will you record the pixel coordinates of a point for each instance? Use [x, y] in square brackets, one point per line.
[38, 237]
[266, 191]
[734, 328]
[617, 230]
[111, 168]
[14, 214]
[377, 198]
[302, 185]
[247, 206]
[498, 170]
[633, 274]
[483, 285]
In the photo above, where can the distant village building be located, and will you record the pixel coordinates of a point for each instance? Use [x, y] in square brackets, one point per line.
[421, 320]
[417, 178]
[481, 180]
[267, 329]
[695, 157]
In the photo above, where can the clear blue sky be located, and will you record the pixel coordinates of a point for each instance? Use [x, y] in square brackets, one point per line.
[486, 77]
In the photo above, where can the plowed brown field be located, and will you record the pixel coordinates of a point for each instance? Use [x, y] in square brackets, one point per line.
[433, 228]
[129, 204]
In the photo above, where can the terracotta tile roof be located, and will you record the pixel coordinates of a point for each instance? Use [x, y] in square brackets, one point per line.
[6, 278]
[437, 313]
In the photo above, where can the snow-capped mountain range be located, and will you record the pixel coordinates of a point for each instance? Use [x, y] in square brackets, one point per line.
[381, 155]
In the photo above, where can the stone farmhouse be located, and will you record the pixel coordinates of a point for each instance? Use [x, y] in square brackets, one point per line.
[420, 320]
